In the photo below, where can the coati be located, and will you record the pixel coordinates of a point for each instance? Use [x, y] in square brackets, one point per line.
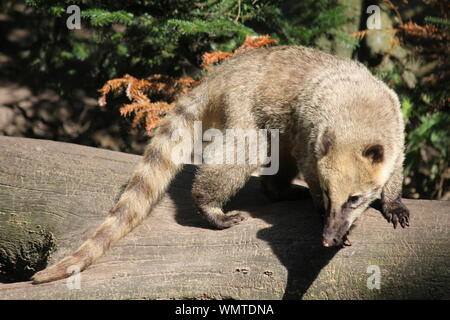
[339, 126]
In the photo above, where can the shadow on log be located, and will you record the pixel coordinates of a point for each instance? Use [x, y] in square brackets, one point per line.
[53, 195]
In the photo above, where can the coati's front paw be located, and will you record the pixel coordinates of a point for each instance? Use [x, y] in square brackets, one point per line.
[230, 219]
[397, 213]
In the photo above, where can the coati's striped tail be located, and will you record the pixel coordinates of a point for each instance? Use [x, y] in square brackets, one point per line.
[149, 181]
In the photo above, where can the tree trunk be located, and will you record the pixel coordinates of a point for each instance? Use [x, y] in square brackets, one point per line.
[53, 195]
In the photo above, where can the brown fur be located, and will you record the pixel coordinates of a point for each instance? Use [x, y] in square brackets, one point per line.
[329, 111]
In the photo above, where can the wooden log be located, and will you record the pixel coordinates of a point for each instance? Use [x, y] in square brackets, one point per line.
[53, 195]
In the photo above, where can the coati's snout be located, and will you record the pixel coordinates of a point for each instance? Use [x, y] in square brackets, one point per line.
[336, 228]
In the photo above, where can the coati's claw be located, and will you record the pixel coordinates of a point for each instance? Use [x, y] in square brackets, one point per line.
[347, 242]
[405, 222]
[395, 221]
[397, 213]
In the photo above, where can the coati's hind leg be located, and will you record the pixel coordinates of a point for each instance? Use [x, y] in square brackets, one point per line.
[393, 208]
[278, 187]
[213, 186]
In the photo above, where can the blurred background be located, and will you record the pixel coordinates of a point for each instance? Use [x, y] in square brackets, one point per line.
[50, 75]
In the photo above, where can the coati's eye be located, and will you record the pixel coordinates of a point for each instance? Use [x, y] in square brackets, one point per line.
[353, 200]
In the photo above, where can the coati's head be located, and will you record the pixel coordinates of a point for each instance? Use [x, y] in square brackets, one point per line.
[351, 175]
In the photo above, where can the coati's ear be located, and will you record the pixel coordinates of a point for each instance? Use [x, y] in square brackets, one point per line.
[326, 141]
[375, 153]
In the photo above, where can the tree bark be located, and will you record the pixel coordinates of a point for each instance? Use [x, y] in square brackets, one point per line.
[53, 195]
